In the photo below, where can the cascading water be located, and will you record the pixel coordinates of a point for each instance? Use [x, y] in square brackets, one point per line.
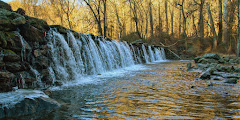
[151, 54]
[145, 54]
[79, 55]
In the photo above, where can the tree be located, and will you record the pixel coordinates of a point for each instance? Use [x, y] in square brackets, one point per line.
[225, 22]
[166, 13]
[151, 20]
[214, 46]
[238, 40]
[220, 23]
[96, 14]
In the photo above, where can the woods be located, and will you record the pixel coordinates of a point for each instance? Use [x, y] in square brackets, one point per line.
[190, 26]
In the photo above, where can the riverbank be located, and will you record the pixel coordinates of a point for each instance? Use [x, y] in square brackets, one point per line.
[215, 67]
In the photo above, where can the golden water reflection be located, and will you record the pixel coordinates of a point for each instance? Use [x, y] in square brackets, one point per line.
[168, 92]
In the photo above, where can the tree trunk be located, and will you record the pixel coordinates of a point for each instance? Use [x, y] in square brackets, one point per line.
[225, 22]
[201, 23]
[172, 21]
[166, 13]
[214, 46]
[159, 21]
[194, 26]
[180, 25]
[151, 20]
[230, 24]
[238, 40]
[105, 17]
[184, 20]
[220, 23]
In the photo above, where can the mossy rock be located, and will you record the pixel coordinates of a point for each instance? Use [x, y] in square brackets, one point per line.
[5, 6]
[38, 23]
[10, 41]
[60, 28]
[10, 21]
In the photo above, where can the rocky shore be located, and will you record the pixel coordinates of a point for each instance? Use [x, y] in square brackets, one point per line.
[215, 67]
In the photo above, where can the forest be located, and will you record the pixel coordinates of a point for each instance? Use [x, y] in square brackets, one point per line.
[187, 27]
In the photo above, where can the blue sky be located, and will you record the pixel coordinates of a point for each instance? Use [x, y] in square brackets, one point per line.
[6, 0]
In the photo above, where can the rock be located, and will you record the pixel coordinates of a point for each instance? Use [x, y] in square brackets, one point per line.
[46, 77]
[9, 21]
[231, 81]
[216, 78]
[212, 56]
[202, 66]
[14, 66]
[206, 75]
[42, 62]
[189, 66]
[25, 102]
[196, 59]
[210, 85]
[11, 57]
[21, 11]
[5, 6]
[205, 61]
[6, 75]
[28, 31]
[6, 81]
[60, 29]
[9, 41]
[37, 53]
[39, 24]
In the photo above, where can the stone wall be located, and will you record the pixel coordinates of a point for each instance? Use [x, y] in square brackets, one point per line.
[19, 57]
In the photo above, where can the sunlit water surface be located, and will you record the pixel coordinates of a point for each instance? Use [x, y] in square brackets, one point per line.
[153, 91]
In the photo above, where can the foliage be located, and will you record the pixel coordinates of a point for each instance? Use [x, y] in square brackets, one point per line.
[155, 21]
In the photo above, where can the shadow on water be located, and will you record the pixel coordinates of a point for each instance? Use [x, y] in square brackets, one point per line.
[164, 91]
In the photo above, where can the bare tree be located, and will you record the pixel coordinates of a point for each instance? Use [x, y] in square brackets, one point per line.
[238, 40]
[151, 20]
[96, 14]
[166, 13]
[212, 27]
[225, 21]
[220, 23]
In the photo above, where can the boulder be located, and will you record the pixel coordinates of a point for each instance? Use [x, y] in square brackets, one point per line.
[10, 41]
[28, 31]
[11, 57]
[60, 29]
[39, 24]
[231, 80]
[5, 6]
[42, 62]
[10, 21]
[212, 56]
[206, 75]
[6, 81]
[25, 102]
[14, 66]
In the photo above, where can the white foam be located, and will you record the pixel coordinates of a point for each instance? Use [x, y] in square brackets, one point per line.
[9, 99]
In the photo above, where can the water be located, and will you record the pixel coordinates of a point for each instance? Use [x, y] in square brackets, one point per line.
[151, 91]
[76, 56]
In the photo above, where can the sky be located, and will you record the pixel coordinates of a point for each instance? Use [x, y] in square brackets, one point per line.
[6, 0]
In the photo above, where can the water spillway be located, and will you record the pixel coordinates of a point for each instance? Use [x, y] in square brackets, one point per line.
[78, 55]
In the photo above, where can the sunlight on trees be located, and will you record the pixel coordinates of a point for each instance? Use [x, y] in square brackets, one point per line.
[159, 22]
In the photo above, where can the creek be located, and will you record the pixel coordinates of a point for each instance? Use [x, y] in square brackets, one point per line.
[161, 90]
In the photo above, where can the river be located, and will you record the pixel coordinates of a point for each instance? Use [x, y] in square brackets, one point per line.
[152, 91]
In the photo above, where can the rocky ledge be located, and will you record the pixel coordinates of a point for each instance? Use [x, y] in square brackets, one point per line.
[25, 102]
[215, 67]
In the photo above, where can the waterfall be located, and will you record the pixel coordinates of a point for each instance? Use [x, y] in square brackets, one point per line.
[24, 45]
[151, 53]
[145, 54]
[159, 54]
[38, 81]
[77, 55]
